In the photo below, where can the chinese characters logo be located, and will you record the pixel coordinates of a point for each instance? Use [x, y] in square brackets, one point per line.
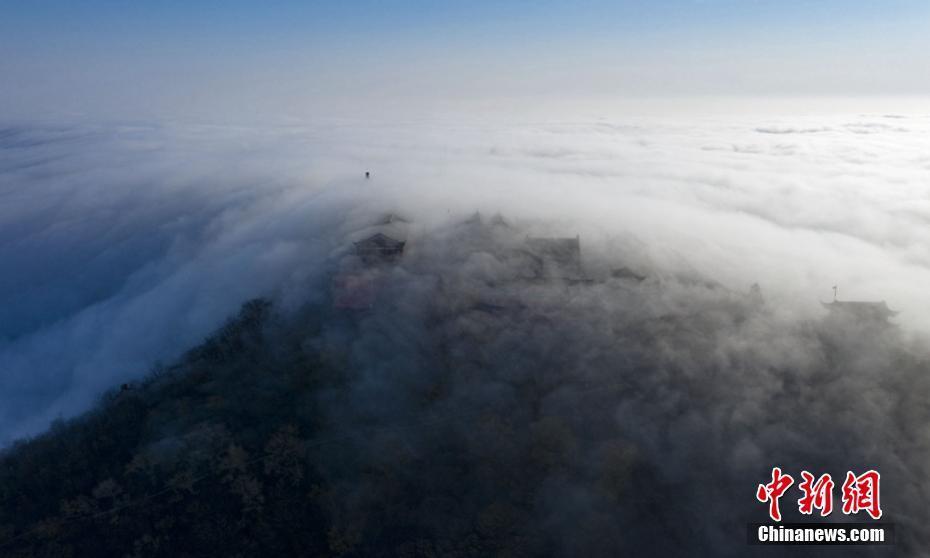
[859, 493]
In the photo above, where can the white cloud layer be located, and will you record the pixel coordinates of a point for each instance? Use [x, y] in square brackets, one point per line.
[124, 245]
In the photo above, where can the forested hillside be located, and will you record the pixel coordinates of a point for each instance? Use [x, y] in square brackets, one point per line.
[469, 412]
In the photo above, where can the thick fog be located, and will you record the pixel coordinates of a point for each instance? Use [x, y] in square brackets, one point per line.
[124, 245]
[619, 414]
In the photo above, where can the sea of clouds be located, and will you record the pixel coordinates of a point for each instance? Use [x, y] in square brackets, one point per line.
[122, 245]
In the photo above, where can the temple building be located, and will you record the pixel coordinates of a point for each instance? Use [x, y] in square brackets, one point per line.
[384, 240]
[359, 282]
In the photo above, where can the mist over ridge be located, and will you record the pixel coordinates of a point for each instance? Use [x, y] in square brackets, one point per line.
[652, 368]
[126, 244]
[413, 279]
[467, 398]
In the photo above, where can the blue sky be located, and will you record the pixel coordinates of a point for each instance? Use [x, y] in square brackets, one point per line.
[172, 56]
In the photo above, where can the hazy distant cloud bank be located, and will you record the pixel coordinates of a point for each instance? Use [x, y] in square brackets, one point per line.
[123, 245]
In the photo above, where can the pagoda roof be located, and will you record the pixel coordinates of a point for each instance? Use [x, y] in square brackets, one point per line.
[391, 218]
[380, 240]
